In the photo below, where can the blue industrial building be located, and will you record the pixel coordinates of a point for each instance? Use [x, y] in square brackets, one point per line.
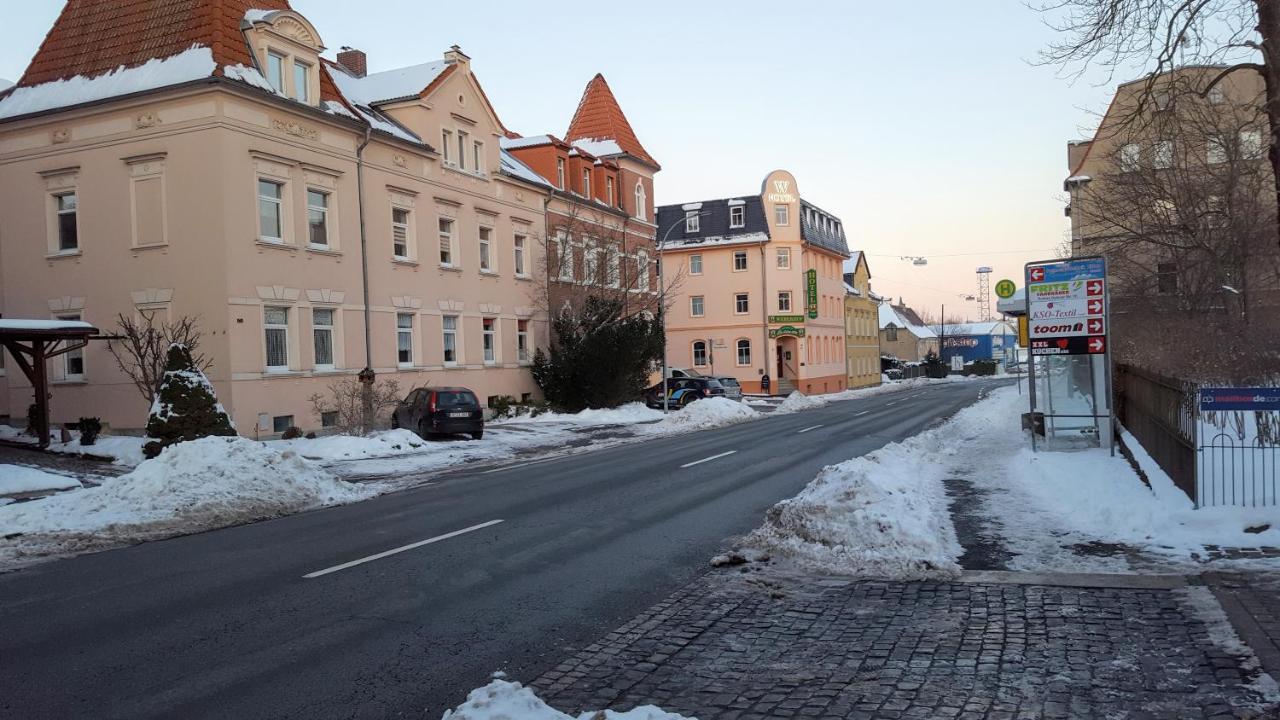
[978, 341]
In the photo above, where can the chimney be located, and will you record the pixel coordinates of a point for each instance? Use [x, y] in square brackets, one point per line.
[354, 61]
[455, 56]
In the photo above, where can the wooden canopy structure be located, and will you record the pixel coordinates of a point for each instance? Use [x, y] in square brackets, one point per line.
[32, 343]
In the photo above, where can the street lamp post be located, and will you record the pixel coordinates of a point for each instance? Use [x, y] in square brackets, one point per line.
[662, 295]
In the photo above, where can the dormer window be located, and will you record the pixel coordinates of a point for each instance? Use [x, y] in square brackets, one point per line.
[275, 71]
[736, 216]
[692, 222]
[560, 173]
[608, 189]
[586, 183]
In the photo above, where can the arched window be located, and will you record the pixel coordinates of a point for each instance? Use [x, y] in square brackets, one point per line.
[641, 204]
[699, 353]
[744, 352]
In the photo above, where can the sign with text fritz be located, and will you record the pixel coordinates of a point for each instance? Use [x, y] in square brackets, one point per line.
[811, 293]
[1067, 307]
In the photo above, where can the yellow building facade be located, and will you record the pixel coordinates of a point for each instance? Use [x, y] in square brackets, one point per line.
[861, 327]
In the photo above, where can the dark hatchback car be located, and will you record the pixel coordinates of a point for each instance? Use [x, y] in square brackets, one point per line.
[440, 411]
[682, 391]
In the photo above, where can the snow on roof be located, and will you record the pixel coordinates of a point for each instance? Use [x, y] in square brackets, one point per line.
[889, 316]
[191, 64]
[736, 201]
[257, 16]
[1079, 179]
[754, 238]
[388, 85]
[600, 147]
[249, 76]
[852, 290]
[337, 108]
[385, 124]
[524, 142]
[16, 324]
[510, 165]
[1015, 304]
[5, 84]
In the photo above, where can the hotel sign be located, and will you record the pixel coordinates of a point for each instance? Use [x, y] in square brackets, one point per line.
[811, 293]
[781, 192]
[786, 330]
[792, 319]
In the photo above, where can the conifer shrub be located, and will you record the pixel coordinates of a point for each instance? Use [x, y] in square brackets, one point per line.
[186, 407]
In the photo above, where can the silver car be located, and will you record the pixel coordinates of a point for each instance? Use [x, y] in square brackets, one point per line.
[732, 389]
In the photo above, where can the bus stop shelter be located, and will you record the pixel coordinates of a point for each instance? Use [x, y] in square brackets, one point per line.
[32, 343]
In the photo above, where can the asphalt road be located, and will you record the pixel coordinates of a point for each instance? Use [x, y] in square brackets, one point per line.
[224, 624]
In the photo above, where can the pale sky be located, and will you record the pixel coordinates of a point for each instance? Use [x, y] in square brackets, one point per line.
[923, 125]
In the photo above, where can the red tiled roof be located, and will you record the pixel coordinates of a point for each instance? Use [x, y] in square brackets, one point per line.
[92, 37]
[599, 117]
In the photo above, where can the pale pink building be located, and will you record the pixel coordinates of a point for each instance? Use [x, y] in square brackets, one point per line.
[756, 288]
[317, 219]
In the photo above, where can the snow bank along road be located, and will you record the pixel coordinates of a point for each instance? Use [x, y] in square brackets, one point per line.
[403, 603]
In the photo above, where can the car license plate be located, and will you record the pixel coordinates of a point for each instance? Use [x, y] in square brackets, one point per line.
[460, 414]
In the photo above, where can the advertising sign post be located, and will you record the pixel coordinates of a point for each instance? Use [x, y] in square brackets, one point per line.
[1067, 315]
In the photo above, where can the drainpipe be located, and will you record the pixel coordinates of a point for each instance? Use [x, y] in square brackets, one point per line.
[764, 312]
[367, 376]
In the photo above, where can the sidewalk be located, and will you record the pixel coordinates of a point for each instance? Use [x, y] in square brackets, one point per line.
[758, 644]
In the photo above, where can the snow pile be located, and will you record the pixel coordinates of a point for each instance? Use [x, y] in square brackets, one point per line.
[387, 443]
[123, 449]
[628, 414]
[191, 487]
[704, 414]
[883, 515]
[798, 401]
[16, 479]
[503, 700]
[192, 64]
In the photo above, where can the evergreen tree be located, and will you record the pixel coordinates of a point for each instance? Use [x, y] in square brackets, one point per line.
[598, 357]
[185, 407]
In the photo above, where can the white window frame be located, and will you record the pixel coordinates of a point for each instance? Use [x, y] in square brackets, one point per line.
[784, 301]
[324, 212]
[523, 356]
[740, 255]
[1215, 150]
[739, 346]
[586, 183]
[1130, 157]
[268, 327]
[449, 337]
[67, 358]
[484, 244]
[642, 271]
[60, 212]
[519, 245]
[642, 201]
[489, 340]
[608, 189]
[445, 237]
[404, 332]
[697, 305]
[591, 262]
[328, 329]
[1251, 145]
[276, 75]
[1162, 155]
[279, 205]
[695, 260]
[613, 268]
[784, 258]
[737, 216]
[560, 173]
[1216, 95]
[694, 352]
[463, 137]
[692, 221]
[446, 145]
[741, 300]
[302, 92]
[477, 156]
[782, 215]
[406, 227]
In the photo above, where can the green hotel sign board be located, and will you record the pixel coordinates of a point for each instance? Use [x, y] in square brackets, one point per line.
[811, 293]
[786, 330]
[790, 319]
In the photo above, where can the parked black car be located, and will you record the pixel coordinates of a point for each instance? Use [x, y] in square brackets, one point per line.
[439, 411]
[682, 391]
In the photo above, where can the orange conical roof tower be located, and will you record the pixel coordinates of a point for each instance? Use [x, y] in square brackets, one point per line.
[599, 117]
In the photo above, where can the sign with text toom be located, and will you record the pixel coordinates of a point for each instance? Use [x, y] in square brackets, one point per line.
[1067, 307]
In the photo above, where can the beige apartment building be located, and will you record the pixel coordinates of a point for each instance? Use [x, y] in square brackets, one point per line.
[861, 326]
[903, 335]
[755, 289]
[317, 219]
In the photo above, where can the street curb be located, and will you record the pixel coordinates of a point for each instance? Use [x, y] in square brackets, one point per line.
[1078, 580]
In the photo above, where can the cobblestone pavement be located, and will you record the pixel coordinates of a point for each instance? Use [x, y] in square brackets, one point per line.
[763, 645]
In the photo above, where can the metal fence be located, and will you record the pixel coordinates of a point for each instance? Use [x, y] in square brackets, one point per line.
[1160, 413]
[1236, 469]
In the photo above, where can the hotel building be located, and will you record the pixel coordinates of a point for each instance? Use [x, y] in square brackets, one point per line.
[755, 289]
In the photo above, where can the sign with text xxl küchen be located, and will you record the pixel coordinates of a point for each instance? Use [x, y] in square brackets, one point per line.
[1067, 307]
